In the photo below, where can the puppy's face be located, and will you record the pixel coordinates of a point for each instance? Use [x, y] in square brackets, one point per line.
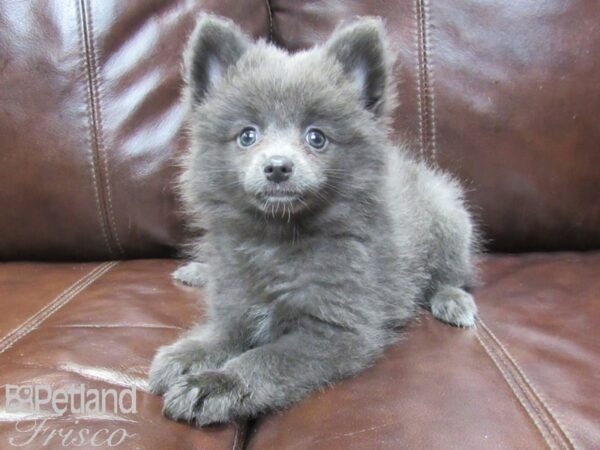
[283, 167]
[283, 133]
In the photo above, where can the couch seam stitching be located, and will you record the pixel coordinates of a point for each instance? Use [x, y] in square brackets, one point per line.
[534, 391]
[524, 403]
[235, 438]
[99, 135]
[99, 162]
[425, 88]
[270, 12]
[54, 305]
[522, 385]
[91, 126]
[431, 80]
[240, 440]
[524, 381]
[417, 38]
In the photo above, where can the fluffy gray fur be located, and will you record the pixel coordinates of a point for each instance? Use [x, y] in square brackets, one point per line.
[307, 281]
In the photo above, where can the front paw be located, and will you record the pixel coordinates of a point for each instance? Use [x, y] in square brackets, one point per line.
[173, 361]
[206, 398]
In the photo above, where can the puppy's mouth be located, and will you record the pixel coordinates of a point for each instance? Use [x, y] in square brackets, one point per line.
[279, 194]
[279, 201]
[281, 198]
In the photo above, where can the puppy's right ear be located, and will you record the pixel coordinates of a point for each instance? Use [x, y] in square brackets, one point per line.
[215, 45]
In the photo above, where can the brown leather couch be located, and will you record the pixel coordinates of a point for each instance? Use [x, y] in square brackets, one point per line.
[506, 95]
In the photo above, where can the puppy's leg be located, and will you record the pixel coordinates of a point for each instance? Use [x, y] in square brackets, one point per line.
[454, 306]
[200, 349]
[272, 376]
[192, 274]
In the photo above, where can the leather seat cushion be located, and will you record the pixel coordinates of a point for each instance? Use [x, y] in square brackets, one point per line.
[525, 378]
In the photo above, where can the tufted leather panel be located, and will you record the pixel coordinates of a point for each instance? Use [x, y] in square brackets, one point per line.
[503, 94]
[90, 123]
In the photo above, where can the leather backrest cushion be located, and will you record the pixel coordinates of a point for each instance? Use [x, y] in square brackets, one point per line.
[506, 95]
[503, 94]
[90, 123]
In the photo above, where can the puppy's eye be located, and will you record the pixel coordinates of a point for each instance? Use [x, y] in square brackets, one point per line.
[248, 137]
[316, 139]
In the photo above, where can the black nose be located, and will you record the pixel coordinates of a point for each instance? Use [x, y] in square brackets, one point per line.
[278, 168]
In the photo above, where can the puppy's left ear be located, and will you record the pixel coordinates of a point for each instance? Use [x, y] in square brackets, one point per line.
[361, 48]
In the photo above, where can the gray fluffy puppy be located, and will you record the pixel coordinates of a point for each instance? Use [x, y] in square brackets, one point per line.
[323, 237]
